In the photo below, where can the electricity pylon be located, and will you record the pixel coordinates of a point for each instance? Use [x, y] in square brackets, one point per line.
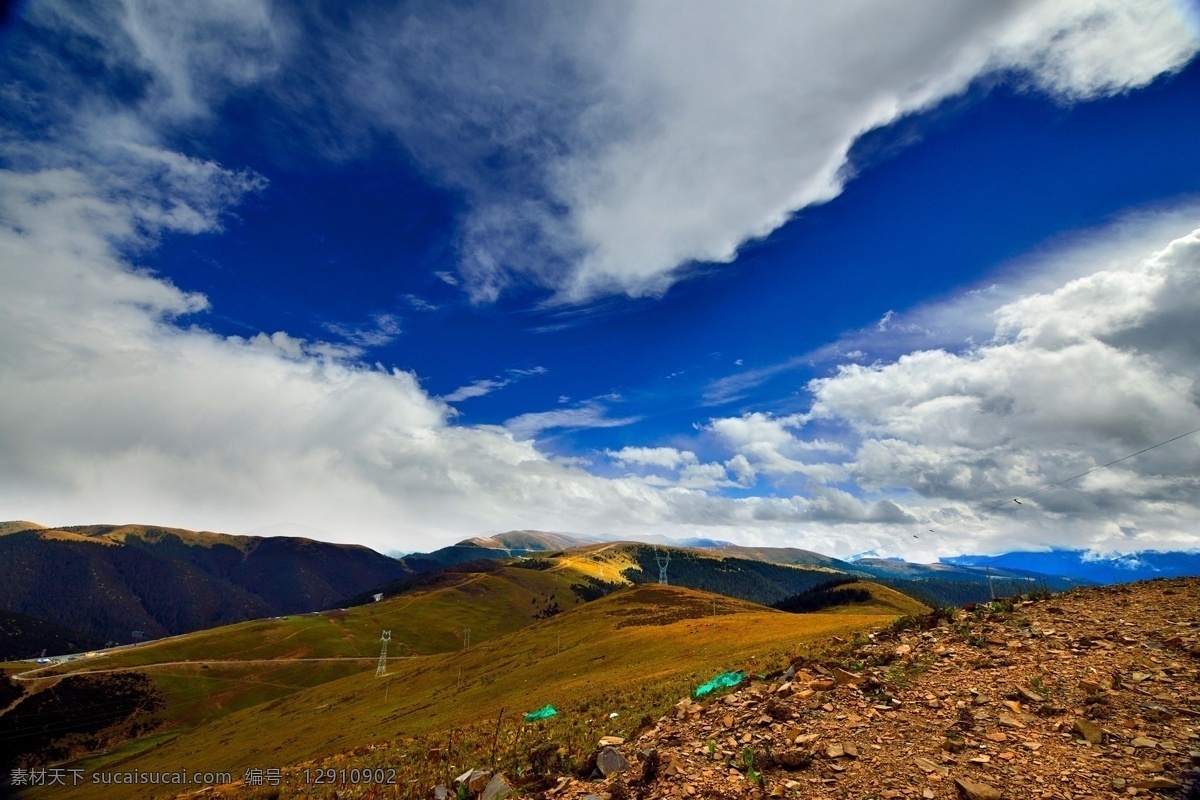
[662, 566]
[382, 668]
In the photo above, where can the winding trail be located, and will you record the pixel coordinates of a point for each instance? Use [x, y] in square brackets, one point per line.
[29, 675]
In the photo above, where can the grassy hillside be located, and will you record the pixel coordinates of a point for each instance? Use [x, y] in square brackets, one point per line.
[788, 556]
[202, 676]
[631, 654]
[22, 636]
[426, 620]
[755, 580]
[18, 525]
[107, 580]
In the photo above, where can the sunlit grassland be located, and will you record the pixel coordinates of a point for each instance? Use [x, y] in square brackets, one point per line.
[424, 621]
[604, 562]
[632, 653]
[884, 600]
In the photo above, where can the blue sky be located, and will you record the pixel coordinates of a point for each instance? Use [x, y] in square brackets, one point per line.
[403, 273]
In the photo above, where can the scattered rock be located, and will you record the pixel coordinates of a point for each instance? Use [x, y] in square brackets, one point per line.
[1156, 784]
[610, 761]
[474, 779]
[609, 741]
[1030, 695]
[1090, 731]
[497, 788]
[976, 791]
[842, 677]
[927, 766]
[916, 731]
[794, 759]
[441, 793]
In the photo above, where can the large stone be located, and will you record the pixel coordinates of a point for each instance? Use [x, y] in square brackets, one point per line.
[474, 779]
[976, 791]
[1008, 720]
[925, 765]
[1165, 784]
[843, 677]
[1030, 695]
[1090, 731]
[497, 788]
[794, 759]
[441, 793]
[610, 761]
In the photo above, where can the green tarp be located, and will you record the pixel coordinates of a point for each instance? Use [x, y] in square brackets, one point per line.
[725, 680]
[545, 712]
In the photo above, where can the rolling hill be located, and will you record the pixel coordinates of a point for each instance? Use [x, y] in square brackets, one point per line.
[604, 665]
[107, 581]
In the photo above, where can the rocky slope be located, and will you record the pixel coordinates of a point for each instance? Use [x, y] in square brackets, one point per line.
[1090, 694]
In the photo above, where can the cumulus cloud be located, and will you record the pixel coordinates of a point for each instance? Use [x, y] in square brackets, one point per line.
[115, 401]
[1072, 378]
[967, 319]
[666, 457]
[769, 445]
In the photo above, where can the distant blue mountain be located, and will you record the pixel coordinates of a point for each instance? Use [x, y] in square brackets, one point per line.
[1085, 565]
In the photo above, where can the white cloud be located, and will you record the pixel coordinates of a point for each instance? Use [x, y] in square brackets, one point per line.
[767, 445]
[382, 329]
[1074, 377]
[632, 146]
[476, 389]
[112, 407]
[622, 143]
[589, 414]
[485, 386]
[666, 457]
[649, 153]
[967, 319]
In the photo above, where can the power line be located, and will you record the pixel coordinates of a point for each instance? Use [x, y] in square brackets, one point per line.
[1058, 484]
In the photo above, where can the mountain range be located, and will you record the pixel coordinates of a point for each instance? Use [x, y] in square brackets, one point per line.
[107, 581]
[99, 583]
[1095, 567]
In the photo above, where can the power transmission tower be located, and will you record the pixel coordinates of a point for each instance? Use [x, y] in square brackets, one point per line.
[662, 566]
[382, 668]
[466, 638]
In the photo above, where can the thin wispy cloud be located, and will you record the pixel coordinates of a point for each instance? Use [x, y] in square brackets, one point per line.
[382, 329]
[486, 386]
